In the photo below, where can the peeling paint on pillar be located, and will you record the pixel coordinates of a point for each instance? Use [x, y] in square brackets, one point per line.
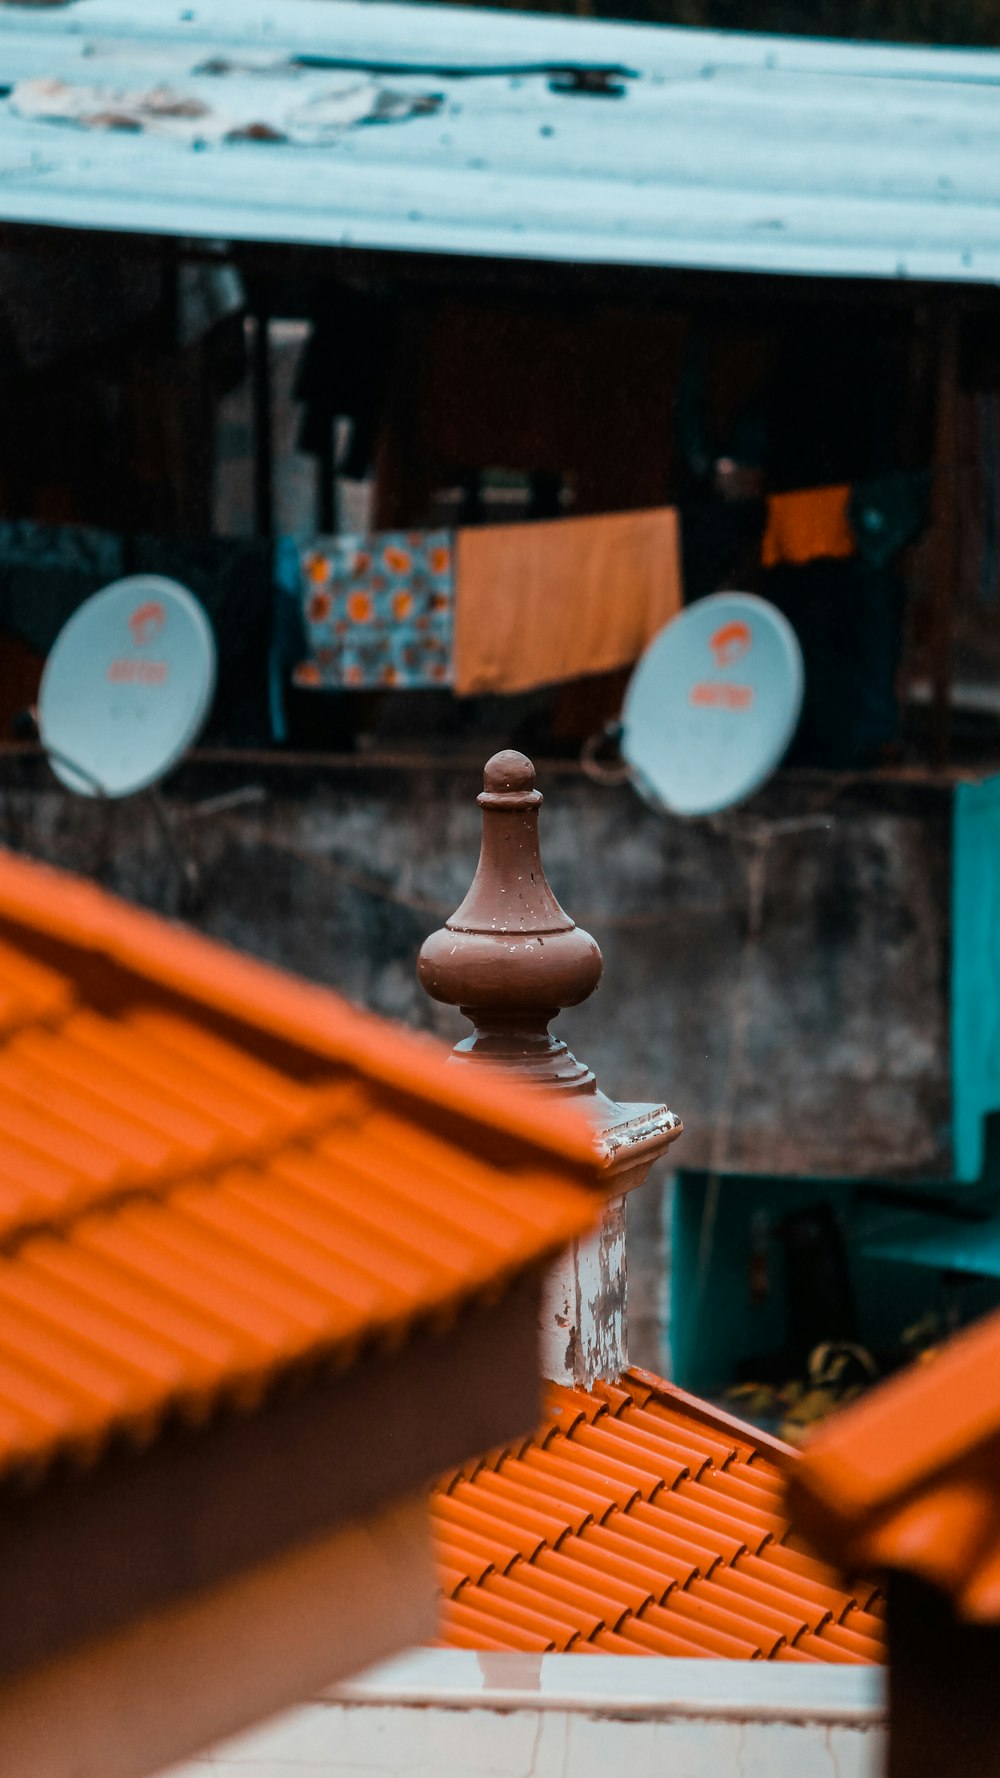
[584, 1325]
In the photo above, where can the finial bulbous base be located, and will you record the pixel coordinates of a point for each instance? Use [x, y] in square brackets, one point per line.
[510, 956]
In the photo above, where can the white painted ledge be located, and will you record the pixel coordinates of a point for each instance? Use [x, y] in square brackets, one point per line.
[446, 1714]
[766, 1691]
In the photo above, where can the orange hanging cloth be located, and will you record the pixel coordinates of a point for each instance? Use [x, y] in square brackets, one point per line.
[539, 603]
[803, 527]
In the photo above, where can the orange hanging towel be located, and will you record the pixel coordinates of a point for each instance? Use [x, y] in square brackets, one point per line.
[539, 603]
[802, 527]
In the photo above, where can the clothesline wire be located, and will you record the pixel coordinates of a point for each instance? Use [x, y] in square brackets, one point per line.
[281, 759]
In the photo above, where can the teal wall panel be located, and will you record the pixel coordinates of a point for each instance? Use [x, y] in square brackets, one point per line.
[975, 972]
[719, 1334]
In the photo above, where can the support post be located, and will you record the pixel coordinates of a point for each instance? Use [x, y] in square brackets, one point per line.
[263, 423]
[946, 534]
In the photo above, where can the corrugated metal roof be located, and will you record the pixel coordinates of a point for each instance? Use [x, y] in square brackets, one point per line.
[724, 151]
[636, 1522]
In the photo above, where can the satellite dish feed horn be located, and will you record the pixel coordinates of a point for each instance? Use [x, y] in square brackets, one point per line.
[713, 704]
[125, 692]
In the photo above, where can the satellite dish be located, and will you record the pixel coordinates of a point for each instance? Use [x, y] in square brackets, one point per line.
[713, 704]
[127, 686]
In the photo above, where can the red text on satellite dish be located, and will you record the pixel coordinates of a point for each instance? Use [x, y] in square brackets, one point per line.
[722, 696]
[730, 643]
[146, 622]
[126, 670]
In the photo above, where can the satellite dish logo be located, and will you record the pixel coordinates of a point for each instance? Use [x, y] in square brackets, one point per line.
[731, 643]
[146, 622]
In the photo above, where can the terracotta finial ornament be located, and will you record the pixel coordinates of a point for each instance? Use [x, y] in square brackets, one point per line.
[510, 956]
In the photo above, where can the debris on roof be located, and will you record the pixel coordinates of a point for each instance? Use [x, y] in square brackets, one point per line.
[906, 1479]
[640, 1521]
[201, 113]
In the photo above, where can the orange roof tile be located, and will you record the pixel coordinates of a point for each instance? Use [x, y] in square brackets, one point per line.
[212, 1174]
[639, 1521]
[906, 1478]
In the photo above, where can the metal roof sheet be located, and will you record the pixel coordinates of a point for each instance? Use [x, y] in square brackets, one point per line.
[639, 1521]
[724, 151]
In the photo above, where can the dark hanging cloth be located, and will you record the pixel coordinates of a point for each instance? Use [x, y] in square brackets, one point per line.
[720, 545]
[848, 619]
[342, 375]
[888, 513]
[847, 614]
[233, 579]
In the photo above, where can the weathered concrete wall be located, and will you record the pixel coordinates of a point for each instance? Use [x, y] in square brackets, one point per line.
[802, 1029]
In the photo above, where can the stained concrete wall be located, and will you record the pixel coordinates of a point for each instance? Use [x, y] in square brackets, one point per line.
[779, 975]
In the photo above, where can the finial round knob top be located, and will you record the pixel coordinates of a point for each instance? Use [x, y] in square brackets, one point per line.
[509, 782]
[508, 770]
